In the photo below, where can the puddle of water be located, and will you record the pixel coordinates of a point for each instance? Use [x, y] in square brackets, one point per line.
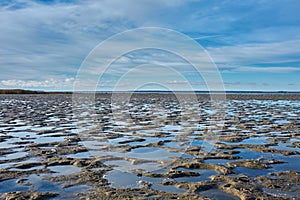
[11, 164]
[15, 155]
[218, 194]
[11, 186]
[247, 154]
[7, 165]
[294, 140]
[170, 128]
[151, 153]
[79, 155]
[53, 119]
[8, 143]
[42, 140]
[92, 144]
[42, 185]
[252, 172]
[123, 165]
[187, 156]
[21, 128]
[254, 140]
[42, 128]
[204, 144]
[204, 175]
[210, 112]
[282, 122]
[284, 146]
[119, 179]
[175, 145]
[168, 188]
[88, 154]
[292, 163]
[64, 169]
[23, 134]
[38, 184]
[283, 194]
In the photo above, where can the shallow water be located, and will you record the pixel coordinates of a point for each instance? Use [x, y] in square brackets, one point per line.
[153, 140]
[204, 175]
[168, 188]
[151, 153]
[218, 194]
[64, 170]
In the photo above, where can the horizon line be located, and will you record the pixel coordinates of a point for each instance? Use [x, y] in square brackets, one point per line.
[28, 91]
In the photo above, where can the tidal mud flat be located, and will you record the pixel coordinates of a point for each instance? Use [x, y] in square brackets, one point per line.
[154, 147]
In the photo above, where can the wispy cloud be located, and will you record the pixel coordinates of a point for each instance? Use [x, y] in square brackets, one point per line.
[267, 69]
[285, 51]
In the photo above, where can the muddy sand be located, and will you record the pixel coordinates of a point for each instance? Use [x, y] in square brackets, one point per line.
[152, 147]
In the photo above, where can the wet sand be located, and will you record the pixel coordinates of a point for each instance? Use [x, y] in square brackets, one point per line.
[155, 147]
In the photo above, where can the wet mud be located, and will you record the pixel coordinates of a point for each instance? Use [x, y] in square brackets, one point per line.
[154, 147]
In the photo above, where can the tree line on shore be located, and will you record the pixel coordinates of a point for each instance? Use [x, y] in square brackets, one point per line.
[22, 91]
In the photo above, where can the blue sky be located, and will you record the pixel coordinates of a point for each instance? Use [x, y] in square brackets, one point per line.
[255, 44]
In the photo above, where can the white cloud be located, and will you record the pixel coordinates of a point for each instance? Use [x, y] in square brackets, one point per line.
[285, 51]
[176, 82]
[49, 83]
[51, 39]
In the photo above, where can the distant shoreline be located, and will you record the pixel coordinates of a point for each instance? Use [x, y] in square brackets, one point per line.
[22, 91]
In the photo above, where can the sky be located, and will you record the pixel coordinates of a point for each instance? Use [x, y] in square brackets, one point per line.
[254, 44]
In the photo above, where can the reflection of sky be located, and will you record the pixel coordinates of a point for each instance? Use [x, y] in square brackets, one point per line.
[254, 43]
